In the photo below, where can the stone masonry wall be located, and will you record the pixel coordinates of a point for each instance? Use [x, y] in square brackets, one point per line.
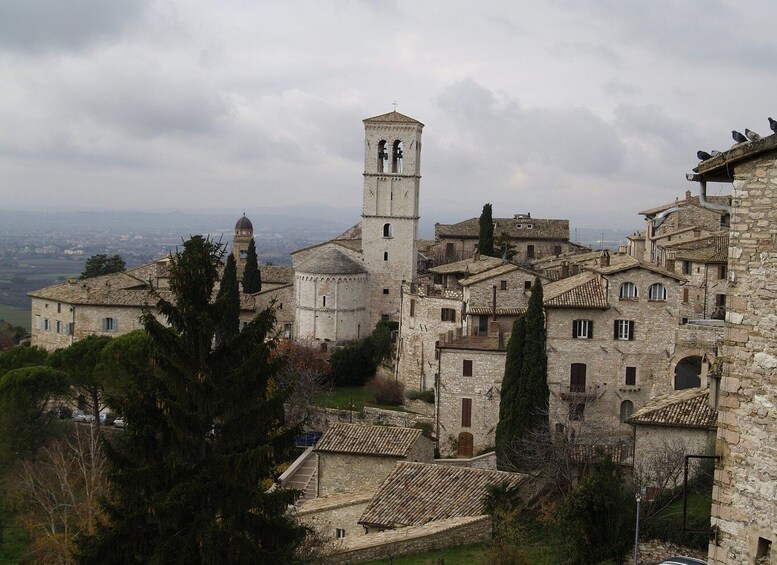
[339, 472]
[744, 508]
[339, 517]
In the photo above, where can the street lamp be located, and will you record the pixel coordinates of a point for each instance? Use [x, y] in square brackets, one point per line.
[639, 497]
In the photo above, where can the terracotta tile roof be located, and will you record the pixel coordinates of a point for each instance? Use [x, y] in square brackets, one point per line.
[541, 229]
[277, 274]
[391, 117]
[500, 311]
[330, 261]
[620, 263]
[354, 232]
[664, 235]
[417, 493]
[476, 342]
[335, 500]
[584, 290]
[622, 453]
[471, 266]
[686, 409]
[692, 201]
[359, 439]
[118, 289]
[497, 272]
[550, 262]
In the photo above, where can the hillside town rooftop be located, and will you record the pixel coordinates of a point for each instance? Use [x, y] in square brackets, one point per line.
[358, 439]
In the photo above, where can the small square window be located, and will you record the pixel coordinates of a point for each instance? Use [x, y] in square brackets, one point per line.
[502, 285]
[412, 307]
[385, 291]
[339, 533]
[466, 369]
[631, 376]
[527, 285]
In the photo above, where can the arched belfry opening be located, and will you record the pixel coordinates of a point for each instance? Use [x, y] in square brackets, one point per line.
[382, 156]
[396, 157]
[687, 373]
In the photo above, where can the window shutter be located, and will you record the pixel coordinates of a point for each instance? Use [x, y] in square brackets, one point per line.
[590, 329]
[574, 328]
[467, 368]
[631, 331]
[466, 412]
[615, 330]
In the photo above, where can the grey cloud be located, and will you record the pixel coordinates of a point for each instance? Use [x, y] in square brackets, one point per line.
[45, 25]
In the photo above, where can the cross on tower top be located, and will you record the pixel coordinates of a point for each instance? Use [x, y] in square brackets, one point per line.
[395, 104]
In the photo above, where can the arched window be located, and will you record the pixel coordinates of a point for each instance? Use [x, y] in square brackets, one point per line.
[382, 156]
[628, 291]
[687, 373]
[657, 292]
[627, 409]
[386, 230]
[385, 255]
[577, 377]
[396, 157]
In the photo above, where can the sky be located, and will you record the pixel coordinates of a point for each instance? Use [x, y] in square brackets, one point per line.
[590, 111]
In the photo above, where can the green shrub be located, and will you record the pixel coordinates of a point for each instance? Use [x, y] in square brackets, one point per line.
[387, 391]
[423, 395]
[427, 429]
[353, 364]
[501, 553]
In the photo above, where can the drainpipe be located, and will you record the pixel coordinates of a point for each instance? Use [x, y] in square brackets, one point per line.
[493, 300]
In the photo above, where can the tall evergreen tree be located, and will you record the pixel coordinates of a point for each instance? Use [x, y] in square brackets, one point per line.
[101, 264]
[189, 479]
[525, 393]
[486, 240]
[229, 293]
[510, 418]
[252, 278]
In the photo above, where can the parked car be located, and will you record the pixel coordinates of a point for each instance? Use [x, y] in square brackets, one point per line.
[62, 412]
[679, 560]
[107, 418]
[119, 422]
[83, 417]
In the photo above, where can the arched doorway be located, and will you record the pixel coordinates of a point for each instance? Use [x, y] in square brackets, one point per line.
[465, 445]
[687, 373]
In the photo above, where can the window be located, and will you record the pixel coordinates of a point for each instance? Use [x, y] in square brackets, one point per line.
[323, 301]
[386, 230]
[243, 253]
[627, 409]
[685, 296]
[109, 324]
[339, 533]
[382, 156]
[502, 285]
[624, 330]
[59, 327]
[628, 291]
[412, 307]
[396, 157]
[70, 328]
[686, 267]
[385, 255]
[46, 324]
[466, 412]
[436, 350]
[447, 315]
[37, 321]
[583, 329]
[577, 377]
[287, 331]
[59, 307]
[556, 250]
[530, 251]
[631, 376]
[576, 410]
[657, 292]
[722, 271]
[466, 368]
[526, 285]
[385, 291]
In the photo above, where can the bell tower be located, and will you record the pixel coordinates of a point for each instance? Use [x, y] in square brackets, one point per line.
[392, 175]
[244, 233]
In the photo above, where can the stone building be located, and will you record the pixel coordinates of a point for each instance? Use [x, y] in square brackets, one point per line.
[744, 512]
[359, 457]
[531, 238]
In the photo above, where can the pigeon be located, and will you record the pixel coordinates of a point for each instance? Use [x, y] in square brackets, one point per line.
[773, 125]
[738, 137]
[715, 153]
[703, 155]
[751, 135]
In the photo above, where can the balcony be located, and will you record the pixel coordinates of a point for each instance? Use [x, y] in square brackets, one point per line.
[580, 393]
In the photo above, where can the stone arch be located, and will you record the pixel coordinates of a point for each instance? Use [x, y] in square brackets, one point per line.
[382, 156]
[627, 409]
[687, 372]
[396, 157]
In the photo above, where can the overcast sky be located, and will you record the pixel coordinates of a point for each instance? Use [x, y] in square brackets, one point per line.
[584, 110]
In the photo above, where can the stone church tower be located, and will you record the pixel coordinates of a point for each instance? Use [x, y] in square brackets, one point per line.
[244, 233]
[389, 227]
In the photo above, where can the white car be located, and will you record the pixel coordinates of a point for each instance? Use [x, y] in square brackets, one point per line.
[83, 417]
[119, 422]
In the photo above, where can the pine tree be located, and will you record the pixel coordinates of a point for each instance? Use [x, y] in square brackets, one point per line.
[510, 420]
[486, 240]
[252, 278]
[229, 293]
[189, 479]
[525, 392]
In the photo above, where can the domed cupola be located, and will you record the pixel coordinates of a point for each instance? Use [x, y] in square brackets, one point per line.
[244, 233]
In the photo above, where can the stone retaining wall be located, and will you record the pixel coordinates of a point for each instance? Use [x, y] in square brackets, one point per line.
[322, 418]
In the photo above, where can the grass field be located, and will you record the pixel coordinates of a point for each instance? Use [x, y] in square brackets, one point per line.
[16, 316]
[350, 398]
[13, 538]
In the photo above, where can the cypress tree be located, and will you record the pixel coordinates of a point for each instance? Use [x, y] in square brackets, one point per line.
[189, 479]
[509, 425]
[252, 278]
[535, 363]
[486, 240]
[229, 293]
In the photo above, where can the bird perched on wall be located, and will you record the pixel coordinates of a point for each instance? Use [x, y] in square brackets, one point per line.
[773, 125]
[738, 137]
[751, 135]
[703, 155]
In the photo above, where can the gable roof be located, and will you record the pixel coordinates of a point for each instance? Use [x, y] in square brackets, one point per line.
[358, 439]
[541, 228]
[584, 290]
[688, 201]
[278, 274]
[619, 453]
[417, 493]
[116, 289]
[472, 266]
[391, 117]
[620, 263]
[497, 272]
[684, 409]
[477, 343]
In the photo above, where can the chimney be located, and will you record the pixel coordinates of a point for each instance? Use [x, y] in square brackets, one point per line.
[564, 269]
[687, 194]
[476, 256]
[575, 268]
[604, 259]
